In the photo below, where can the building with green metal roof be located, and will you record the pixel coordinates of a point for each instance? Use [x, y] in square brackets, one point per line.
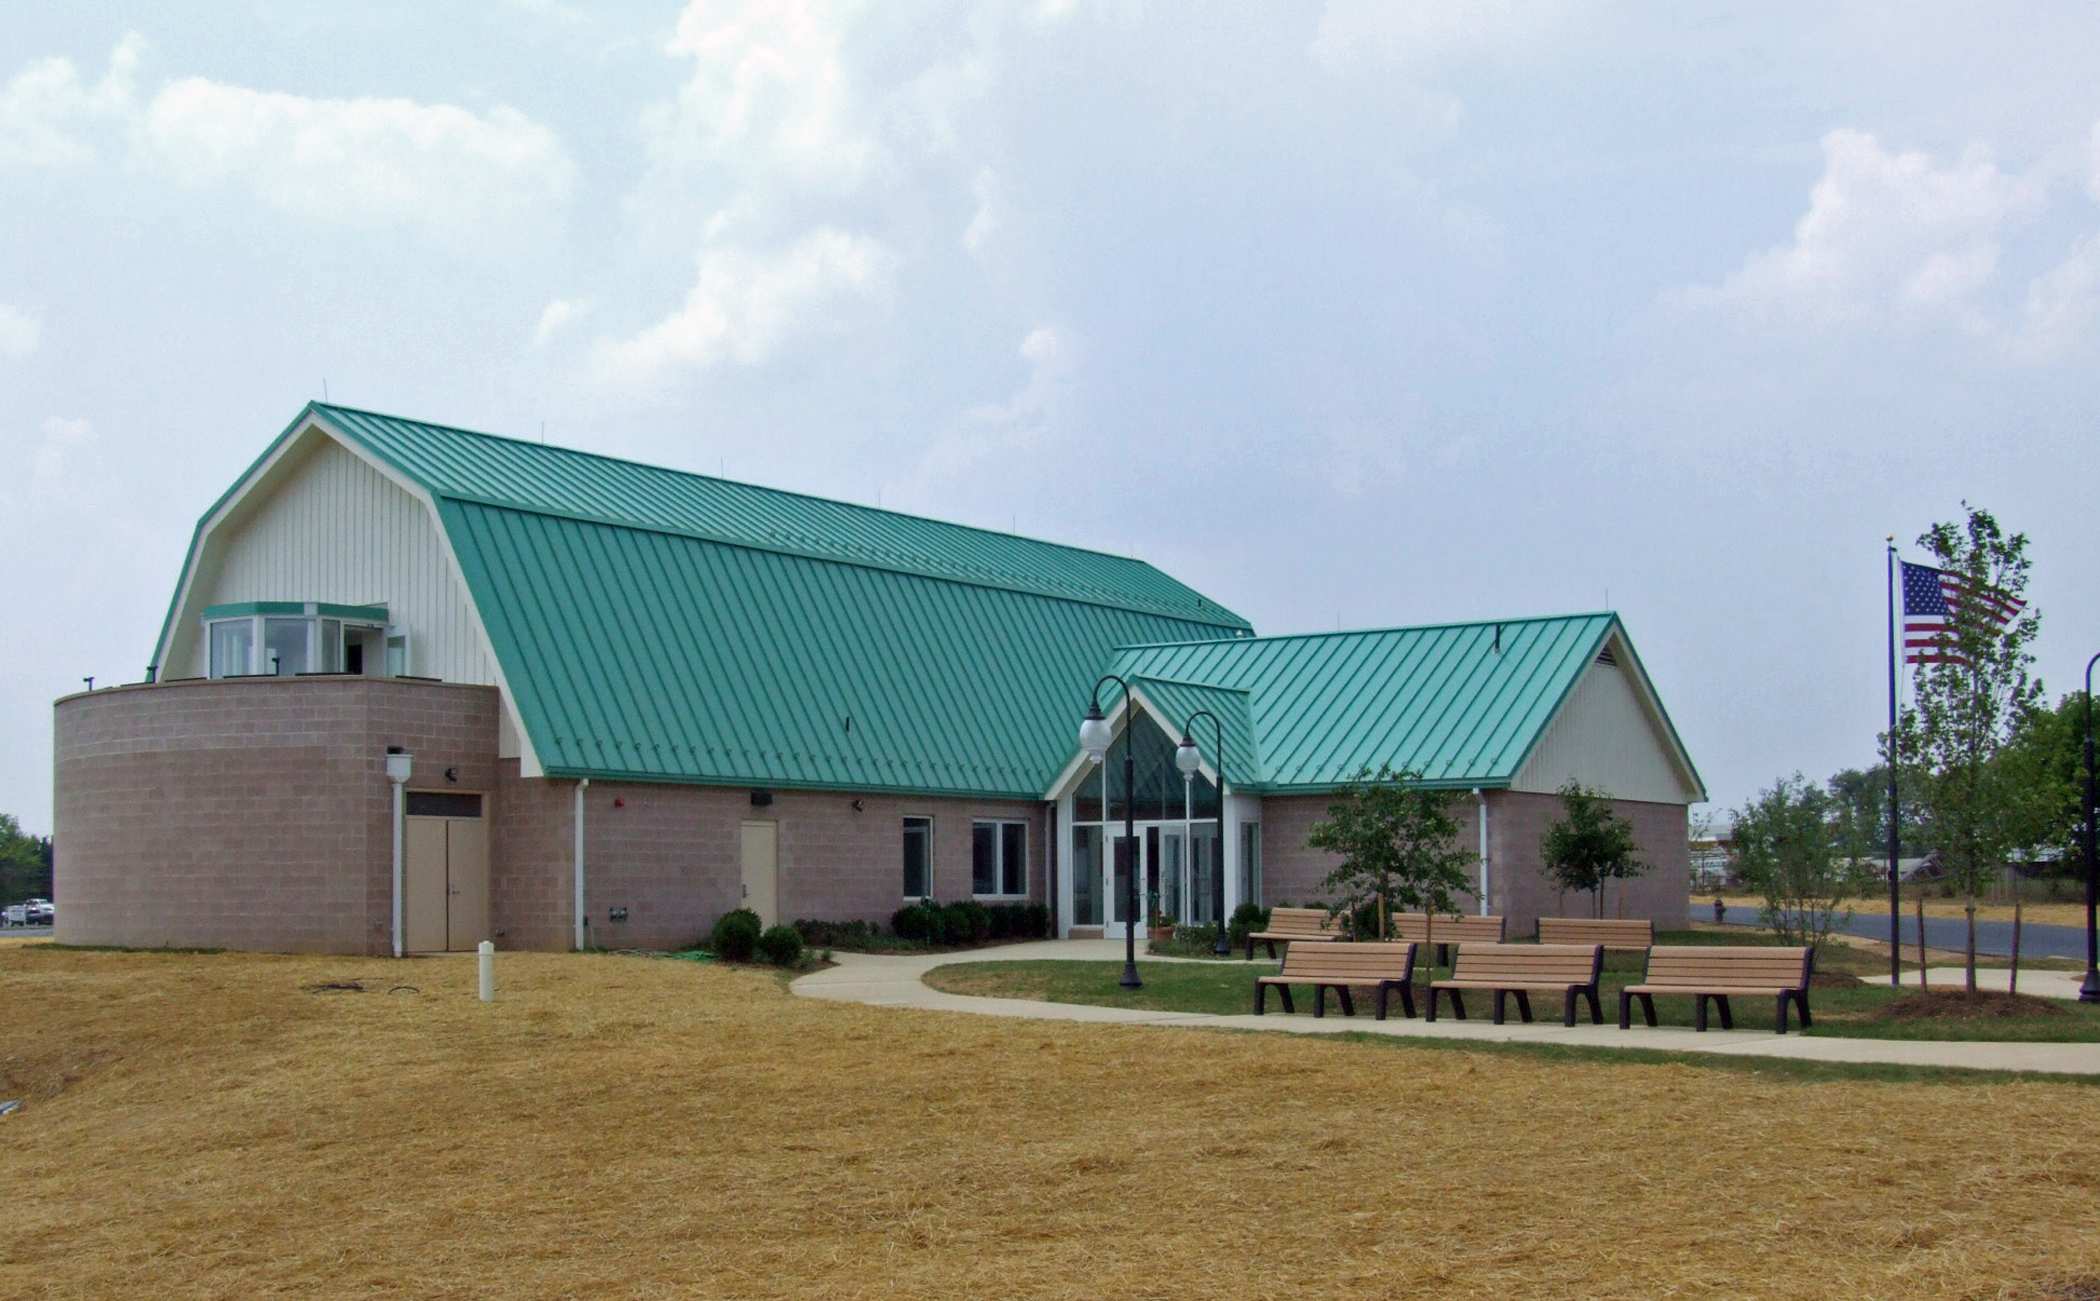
[420, 686]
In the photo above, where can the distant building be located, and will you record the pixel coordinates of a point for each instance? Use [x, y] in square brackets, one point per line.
[630, 699]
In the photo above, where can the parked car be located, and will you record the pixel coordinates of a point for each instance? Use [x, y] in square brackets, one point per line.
[15, 914]
[41, 912]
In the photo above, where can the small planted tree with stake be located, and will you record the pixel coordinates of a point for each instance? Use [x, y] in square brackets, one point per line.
[1398, 843]
[1589, 845]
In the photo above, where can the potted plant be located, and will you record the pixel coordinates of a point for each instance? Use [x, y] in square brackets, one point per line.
[1161, 927]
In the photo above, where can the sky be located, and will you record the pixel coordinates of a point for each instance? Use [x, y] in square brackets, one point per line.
[1361, 314]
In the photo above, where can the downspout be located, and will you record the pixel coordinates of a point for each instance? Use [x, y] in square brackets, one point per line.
[1481, 795]
[582, 920]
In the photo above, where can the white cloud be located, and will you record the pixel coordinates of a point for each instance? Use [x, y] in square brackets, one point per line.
[472, 179]
[19, 332]
[45, 112]
[1888, 239]
[769, 88]
[744, 305]
[373, 163]
[558, 314]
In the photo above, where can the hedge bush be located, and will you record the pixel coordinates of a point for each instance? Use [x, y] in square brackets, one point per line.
[968, 922]
[835, 935]
[735, 936]
[781, 946]
[1246, 920]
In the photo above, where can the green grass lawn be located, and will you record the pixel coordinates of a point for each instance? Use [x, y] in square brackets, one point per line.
[1228, 989]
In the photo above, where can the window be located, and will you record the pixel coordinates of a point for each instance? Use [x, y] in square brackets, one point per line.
[441, 804]
[285, 638]
[999, 858]
[1086, 876]
[918, 858]
[231, 640]
[284, 646]
[1250, 862]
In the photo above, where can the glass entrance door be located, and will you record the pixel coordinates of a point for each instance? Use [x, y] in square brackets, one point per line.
[1128, 858]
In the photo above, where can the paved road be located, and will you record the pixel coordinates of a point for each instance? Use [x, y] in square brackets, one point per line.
[24, 932]
[1951, 933]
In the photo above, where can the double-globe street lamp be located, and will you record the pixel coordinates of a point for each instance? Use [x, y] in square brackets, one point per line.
[2089, 991]
[1190, 760]
[1095, 736]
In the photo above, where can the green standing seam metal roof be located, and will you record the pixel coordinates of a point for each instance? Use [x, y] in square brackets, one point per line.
[657, 656]
[472, 467]
[1180, 701]
[1441, 701]
[666, 626]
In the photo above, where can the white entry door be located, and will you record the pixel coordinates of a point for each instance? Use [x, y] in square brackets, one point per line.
[761, 864]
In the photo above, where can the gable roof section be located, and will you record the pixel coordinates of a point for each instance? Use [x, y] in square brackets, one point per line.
[1441, 701]
[660, 656]
[465, 466]
[1231, 706]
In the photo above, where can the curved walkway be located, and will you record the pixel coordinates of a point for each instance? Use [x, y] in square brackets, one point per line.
[893, 980]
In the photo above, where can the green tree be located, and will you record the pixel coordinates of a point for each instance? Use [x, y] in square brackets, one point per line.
[1590, 845]
[1969, 705]
[25, 863]
[1789, 847]
[2045, 763]
[1398, 842]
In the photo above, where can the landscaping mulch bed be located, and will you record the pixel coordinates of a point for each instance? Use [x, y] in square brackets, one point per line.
[1957, 1003]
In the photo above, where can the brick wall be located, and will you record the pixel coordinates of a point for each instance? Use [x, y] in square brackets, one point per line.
[255, 814]
[670, 855]
[250, 814]
[1519, 890]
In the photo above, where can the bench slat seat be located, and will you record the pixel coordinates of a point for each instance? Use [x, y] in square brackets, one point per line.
[1717, 972]
[1388, 965]
[1506, 969]
[1287, 924]
[1616, 934]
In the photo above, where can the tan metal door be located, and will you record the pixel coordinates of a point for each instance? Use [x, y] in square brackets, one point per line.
[467, 875]
[425, 898]
[761, 859]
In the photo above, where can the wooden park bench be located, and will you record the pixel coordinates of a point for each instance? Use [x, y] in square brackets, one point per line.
[1387, 965]
[1287, 924]
[1518, 969]
[1629, 935]
[1716, 972]
[1457, 928]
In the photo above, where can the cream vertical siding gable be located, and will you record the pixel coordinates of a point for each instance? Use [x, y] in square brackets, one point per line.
[1607, 736]
[335, 529]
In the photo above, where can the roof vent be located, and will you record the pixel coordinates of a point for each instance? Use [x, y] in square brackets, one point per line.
[1606, 657]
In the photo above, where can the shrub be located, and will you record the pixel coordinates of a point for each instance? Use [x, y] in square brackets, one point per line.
[972, 924]
[1246, 920]
[735, 936]
[781, 946]
[832, 935]
[916, 921]
[1035, 921]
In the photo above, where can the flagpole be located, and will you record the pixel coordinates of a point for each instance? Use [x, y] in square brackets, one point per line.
[1895, 810]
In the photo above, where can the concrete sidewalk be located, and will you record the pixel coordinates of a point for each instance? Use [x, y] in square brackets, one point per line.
[887, 980]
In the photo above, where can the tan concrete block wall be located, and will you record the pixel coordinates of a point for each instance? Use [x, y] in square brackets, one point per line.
[1517, 885]
[670, 856]
[250, 814]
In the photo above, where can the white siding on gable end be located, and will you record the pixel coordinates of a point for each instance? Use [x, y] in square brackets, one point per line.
[329, 526]
[1607, 738]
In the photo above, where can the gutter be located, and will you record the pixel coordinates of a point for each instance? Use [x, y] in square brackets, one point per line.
[1481, 795]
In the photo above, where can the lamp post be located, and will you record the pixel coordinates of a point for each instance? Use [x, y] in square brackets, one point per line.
[2089, 991]
[1189, 759]
[1095, 736]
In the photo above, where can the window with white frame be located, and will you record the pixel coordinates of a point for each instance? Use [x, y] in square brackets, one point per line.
[286, 638]
[998, 858]
[1250, 862]
[918, 858]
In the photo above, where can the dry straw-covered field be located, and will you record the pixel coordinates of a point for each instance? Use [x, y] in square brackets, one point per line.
[207, 1126]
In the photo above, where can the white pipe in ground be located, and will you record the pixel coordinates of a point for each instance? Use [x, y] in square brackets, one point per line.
[488, 971]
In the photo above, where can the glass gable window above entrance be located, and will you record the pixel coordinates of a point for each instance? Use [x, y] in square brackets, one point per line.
[286, 638]
[1159, 782]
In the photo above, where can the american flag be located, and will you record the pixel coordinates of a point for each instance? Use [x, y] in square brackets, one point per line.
[1931, 598]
